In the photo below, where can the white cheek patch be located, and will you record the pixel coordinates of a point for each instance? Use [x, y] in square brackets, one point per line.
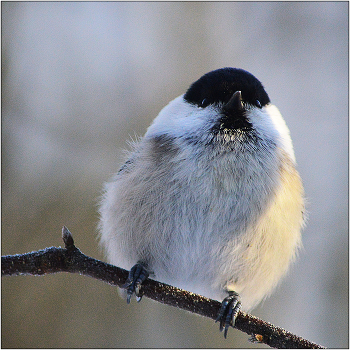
[166, 121]
[270, 122]
[180, 118]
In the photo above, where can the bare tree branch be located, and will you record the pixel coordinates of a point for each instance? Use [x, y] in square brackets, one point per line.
[70, 259]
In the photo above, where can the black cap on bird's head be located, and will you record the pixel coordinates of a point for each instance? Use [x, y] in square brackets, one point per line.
[219, 86]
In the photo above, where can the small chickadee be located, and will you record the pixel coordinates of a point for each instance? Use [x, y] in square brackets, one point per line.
[209, 200]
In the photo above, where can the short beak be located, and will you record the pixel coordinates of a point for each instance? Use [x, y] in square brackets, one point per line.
[235, 103]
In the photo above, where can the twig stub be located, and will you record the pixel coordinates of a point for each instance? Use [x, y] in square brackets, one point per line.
[67, 238]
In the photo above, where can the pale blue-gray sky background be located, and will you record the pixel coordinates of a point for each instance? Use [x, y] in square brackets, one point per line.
[80, 79]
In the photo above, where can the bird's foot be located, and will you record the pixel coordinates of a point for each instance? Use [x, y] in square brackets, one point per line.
[137, 275]
[228, 312]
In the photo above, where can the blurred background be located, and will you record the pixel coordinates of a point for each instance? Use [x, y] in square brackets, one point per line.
[80, 79]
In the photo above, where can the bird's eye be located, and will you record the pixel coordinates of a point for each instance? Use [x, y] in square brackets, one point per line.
[258, 103]
[204, 103]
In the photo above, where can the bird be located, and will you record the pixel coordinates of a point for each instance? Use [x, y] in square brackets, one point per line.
[209, 200]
